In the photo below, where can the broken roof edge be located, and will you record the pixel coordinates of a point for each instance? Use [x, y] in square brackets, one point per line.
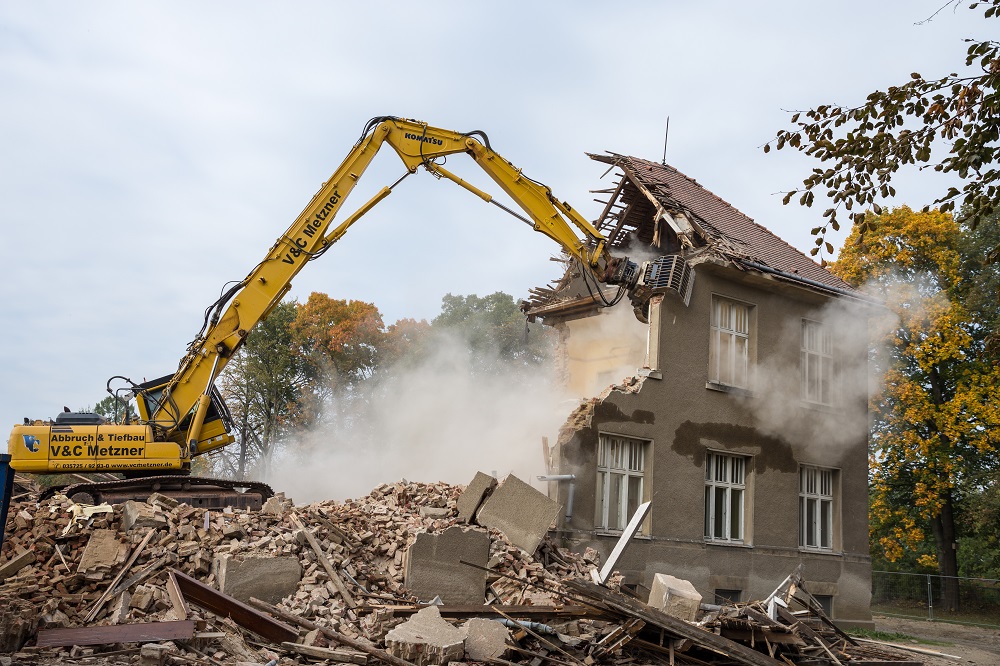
[711, 233]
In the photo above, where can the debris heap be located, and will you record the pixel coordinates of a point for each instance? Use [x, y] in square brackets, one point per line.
[393, 577]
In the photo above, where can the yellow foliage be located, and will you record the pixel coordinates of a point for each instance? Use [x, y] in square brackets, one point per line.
[936, 404]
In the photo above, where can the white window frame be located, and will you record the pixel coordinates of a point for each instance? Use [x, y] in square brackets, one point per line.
[817, 507]
[725, 476]
[729, 352]
[816, 362]
[621, 479]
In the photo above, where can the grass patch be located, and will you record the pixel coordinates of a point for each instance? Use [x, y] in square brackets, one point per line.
[894, 637]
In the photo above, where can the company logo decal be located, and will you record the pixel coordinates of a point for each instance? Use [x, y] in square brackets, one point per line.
[31, 443]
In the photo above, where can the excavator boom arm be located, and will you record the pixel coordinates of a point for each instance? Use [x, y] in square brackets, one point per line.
[417, 144]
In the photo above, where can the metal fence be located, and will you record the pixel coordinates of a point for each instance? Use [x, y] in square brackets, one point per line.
[920, 596]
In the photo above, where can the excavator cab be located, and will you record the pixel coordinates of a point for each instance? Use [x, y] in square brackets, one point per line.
[149, 398]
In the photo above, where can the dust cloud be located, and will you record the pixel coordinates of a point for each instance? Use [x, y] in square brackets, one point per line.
[834, 425]
[438, 420]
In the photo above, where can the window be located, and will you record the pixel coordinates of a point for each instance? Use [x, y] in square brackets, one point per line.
[621, 465]
[826, 601]
[817, 362]
[727, 597]
[729, 353]
[816, 507]
[725, 492]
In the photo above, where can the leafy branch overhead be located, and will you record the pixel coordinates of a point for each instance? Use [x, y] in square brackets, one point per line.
[950, 124]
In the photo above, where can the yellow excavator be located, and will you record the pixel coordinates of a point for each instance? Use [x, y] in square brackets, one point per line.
[182, 416]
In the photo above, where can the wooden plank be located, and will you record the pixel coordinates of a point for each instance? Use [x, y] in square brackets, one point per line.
[634, 608]
[180, 608]
[145, 632]
[224, 605]
[343, 656]
[325, 561]
[475, 610]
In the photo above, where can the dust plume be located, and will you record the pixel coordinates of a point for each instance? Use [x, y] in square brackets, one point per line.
[439, 419]
[834, 424]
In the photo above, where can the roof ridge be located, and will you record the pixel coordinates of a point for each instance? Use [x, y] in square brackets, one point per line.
[732, 207]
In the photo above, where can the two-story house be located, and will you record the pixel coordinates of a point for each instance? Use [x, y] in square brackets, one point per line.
[744, 421]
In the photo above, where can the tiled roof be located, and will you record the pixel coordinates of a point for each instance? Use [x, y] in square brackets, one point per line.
[720, 220]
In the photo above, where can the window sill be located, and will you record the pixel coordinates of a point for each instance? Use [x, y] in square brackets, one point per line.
[728, 544]
[617, 534]
[820, 551]
[726, 388]
[820, 407]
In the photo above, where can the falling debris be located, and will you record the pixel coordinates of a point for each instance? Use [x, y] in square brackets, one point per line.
[354, 580]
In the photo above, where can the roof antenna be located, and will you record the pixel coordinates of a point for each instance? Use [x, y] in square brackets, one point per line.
[666, 134]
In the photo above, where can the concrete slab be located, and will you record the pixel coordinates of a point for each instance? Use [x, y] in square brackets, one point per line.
[473, 495]
[485, 639]
[103, 550]
[433, 566]
[521, 512]
[675, 596]
[426, 638]
[268, 578]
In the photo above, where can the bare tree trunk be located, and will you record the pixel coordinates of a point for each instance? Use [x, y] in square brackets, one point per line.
[241, 472]
[947, 554]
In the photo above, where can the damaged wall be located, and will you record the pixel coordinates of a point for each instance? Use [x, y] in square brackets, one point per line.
[591, 363]
[683, 417]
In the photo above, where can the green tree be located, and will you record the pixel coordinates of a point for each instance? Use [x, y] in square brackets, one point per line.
[937, 417]
[262, 386]
[496, 331]
[950, 124]
[113, 409]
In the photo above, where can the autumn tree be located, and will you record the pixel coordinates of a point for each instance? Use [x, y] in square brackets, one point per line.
[340, 341]
[406, 343]
[948, 123]
[262, 386]
[937, 416]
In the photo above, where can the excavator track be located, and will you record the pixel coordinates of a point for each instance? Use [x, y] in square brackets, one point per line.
[196, 491]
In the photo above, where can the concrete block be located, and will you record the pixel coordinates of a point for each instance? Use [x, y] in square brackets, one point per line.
[267, 578]
[16, 563]
[522, 513]
[139, 514]
[472, 497]
[434, 512]
[433, 566]
[675, 596]
[102, 551]
[142, 598]
[152, 654]
[485, 639]
[426, 638]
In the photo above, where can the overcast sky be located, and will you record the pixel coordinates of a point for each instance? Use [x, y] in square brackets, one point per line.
[150, 152]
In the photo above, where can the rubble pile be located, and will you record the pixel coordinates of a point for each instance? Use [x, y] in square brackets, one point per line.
[393, 577]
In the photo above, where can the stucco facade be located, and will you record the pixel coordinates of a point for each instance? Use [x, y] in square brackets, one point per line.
[750, 469]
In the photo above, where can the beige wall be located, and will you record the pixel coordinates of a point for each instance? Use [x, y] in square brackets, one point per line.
[602, 349]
